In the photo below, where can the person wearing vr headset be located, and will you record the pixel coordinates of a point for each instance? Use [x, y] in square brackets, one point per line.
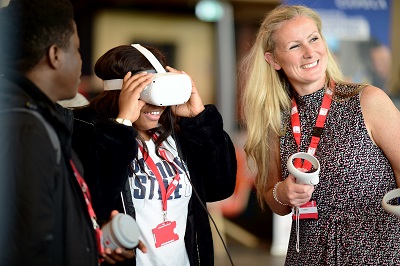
[294, 87]
[158, 160]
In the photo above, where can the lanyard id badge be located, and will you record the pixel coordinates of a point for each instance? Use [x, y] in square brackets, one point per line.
[163, 233]
[309, 210]
[306, 211]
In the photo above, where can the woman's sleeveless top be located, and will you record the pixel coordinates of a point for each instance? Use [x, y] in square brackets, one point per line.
[352, 228]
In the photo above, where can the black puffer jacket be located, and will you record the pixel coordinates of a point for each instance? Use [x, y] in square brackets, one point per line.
[46, 221]
[106, 149]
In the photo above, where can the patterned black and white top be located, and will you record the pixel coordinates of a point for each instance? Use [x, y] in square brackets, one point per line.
[352, 228]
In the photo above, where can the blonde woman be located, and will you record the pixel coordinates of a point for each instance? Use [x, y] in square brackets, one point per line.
[289, 74]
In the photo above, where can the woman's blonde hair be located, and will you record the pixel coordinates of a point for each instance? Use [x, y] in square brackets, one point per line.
[266, 91]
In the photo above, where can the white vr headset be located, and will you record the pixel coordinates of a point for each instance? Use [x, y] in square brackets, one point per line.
[166, 88]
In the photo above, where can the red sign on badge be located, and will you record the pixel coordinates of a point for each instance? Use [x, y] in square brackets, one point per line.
[307, 211]
[164, 233]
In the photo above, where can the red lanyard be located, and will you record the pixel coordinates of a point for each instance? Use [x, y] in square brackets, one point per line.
[317, 130]
[165, 193]
[86, 195]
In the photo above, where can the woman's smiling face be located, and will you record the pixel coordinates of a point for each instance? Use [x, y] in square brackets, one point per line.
[300, 52]
[148, 119]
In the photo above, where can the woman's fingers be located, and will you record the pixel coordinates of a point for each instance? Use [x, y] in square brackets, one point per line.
[142, 247]
[129, 103]
[136, 82]
[297, 194]
[194, 105]
[173, 70]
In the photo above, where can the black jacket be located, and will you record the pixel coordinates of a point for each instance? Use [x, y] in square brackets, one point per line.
[47, 218]
[106, 149]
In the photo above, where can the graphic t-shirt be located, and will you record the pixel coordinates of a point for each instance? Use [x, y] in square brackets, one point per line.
[164, 238]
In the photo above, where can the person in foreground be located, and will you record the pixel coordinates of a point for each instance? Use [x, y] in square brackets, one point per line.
[48, 221]
[137, 150]
[290, 73]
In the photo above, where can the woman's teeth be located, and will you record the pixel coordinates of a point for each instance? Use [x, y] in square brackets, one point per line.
[310, 65]
[153, 113]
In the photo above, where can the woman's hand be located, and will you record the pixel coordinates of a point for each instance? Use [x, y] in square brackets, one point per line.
[120, 254]
[193, 106]
[117, 255]
[294, 194]
[129, 102]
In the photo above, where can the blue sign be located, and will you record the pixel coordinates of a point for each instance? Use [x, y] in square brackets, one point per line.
[351, 19]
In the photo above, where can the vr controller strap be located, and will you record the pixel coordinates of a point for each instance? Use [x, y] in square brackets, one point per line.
[152, 59]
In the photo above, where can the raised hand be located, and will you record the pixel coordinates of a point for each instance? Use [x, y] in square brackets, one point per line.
[129, 102]
[193, 106]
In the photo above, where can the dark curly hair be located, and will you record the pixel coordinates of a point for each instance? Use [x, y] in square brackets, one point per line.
[29, 27]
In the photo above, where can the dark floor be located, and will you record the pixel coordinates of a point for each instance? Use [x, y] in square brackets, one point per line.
[245, 256]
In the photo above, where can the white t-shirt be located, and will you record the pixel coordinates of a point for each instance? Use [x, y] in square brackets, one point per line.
[147, 201]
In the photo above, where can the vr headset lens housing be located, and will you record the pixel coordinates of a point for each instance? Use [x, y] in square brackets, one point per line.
[166, 88]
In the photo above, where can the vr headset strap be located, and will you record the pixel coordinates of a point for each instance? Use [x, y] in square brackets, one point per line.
[152, 59]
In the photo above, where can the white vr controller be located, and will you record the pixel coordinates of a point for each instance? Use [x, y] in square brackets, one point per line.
[166, 88]
[308, 178]
[392, 209]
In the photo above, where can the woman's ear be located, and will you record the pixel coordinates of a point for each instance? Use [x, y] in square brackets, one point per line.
[271, 61]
